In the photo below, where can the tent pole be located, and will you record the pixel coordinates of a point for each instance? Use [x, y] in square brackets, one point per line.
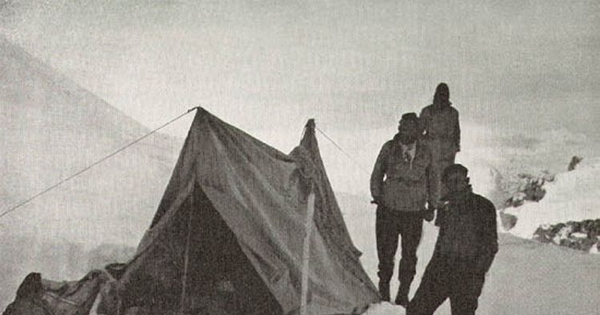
[310, 210]
[186, 261]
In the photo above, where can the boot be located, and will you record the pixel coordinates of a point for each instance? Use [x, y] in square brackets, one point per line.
[402, 296]
[384, 290]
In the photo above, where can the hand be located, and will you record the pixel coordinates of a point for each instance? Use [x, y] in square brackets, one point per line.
[376, 200]
[428, 214]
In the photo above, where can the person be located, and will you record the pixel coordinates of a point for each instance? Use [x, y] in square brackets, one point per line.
[465, 249]
[441, 128]
[400, 188]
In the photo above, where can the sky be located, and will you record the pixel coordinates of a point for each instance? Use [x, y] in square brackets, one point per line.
[267, 66]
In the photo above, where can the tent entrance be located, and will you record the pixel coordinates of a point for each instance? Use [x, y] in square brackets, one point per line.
[199, 268]
[219, 275]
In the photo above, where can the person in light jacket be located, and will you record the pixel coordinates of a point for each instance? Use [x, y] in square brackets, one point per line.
[400, 185]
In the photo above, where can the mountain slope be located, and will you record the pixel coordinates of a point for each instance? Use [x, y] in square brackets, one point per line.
[50, 128]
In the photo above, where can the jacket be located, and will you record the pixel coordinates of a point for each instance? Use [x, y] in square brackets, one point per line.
[468, 230]
[441, 125]
[399, 184]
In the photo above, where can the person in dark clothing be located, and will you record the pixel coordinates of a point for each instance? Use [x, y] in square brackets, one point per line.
[400, 187]
[465, 249]
[441, 127]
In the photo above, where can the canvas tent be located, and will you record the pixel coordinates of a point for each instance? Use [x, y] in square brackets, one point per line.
[245, 229]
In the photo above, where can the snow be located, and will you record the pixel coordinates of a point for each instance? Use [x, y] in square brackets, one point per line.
[573, 196]
[50, 129]
[385, 308]
[527, 277]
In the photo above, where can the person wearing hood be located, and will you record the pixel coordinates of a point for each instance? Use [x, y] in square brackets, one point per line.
[465, 249]
[441, 127]
[400, 185]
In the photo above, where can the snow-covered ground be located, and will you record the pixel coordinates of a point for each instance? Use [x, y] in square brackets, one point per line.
[572, 196]
[527, 277]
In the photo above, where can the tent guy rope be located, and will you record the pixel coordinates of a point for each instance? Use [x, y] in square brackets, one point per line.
[26, 201]
[343, 151]
[95, 163]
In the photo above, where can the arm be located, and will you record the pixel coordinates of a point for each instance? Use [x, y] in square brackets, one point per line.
[442, 212]
[456, 134]
[431, 182]
[432, 204]
[424, 120]
[378, 174]
[488, 236]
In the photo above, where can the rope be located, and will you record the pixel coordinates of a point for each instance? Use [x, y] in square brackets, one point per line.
[343, 151]
[94, 164]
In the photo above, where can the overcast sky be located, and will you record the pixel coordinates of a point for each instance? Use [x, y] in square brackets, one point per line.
[350, 64]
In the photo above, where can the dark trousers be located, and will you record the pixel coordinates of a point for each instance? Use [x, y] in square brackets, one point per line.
[457, 281]
[388, 226]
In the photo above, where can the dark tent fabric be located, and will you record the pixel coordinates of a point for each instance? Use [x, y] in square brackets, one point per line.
[230, 233]
[37, 296]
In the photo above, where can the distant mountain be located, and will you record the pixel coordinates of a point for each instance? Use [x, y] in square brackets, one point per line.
[51, 128]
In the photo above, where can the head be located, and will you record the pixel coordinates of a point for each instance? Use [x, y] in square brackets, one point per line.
[455, 178]
[408, 128]
[442, 95]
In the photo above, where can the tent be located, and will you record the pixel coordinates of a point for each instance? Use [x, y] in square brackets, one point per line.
[243, 228]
